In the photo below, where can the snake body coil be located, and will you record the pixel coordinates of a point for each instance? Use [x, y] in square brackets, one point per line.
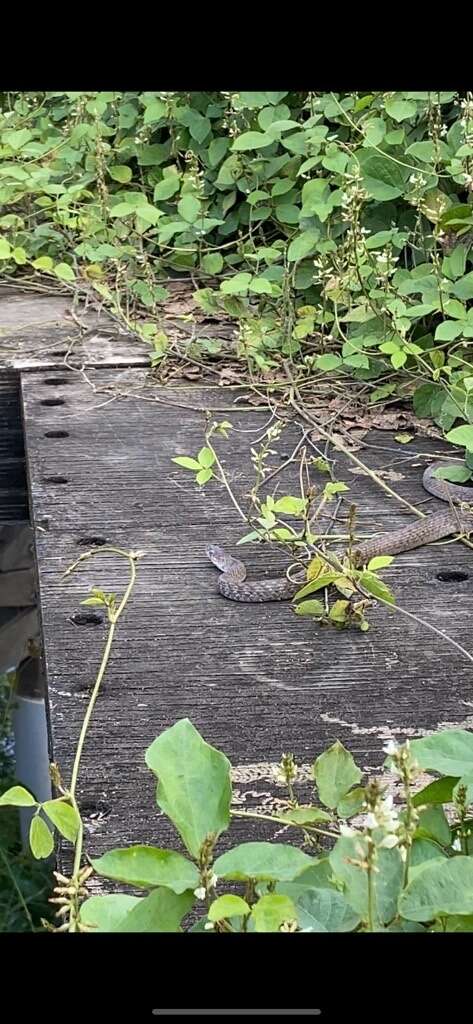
[232, 583]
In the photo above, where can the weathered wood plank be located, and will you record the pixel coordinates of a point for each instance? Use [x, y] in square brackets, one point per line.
[37, 331]
[255, 679]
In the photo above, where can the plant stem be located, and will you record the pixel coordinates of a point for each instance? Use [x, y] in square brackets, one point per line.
[113, 616]
[282, 821]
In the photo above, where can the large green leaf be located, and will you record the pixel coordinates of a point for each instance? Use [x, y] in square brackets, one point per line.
[449, 752]
[148, 867]
[252, 140]
[442, 887]
[104, 913]
[335, 772]
[320, 909]
[194, 787]
[263, 862]
[387, 880]
[382, 178]
[271, 911]
[161, 911]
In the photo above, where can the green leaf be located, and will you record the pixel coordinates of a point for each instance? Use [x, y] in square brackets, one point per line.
[186, 462]
[206, 458]
[120, 172]
[322, 581]
[433, 824]
[261, 286]
[335, 772]
[379, 562]
[154, 112]
[352, 803]
[320, 910]
[161, 911]
[264, 862]
[204, 476]
[382, 178]
[189, 208]
[305, 815]
[148, 867]
[400, 109]
[442, 887]
[387, 882]
[462, 435]
[328, 361]
[64, 817]
[43, 263]
[376, 587]
[228, 906]
[41, 839]
[64, 272]
[422, 400]
[453, 266]
[237, 285]
[463, 289]
[217, 150]
[455, 923]
[455, 474]
[449, 752]
[438, 792]
[122, 210]
[212, 263]
[270, 912]
[105, 913]
[17, 796]
[302, 245]
[449, 330]
[19, 255]
[310, 608]
[291, 506]
[166, 188]
[398, 358]
[252, 140]
[194, 787]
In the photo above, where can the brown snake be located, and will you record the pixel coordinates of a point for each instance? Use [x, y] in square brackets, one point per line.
[232, 583]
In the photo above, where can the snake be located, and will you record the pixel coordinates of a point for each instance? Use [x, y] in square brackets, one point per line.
[233, 584]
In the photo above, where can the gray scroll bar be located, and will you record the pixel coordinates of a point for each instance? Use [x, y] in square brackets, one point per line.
[237, 1013]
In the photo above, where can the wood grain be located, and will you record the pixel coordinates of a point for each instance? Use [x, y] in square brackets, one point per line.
[256, 680]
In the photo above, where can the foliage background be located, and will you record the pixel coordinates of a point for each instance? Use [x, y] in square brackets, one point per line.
[336, 228]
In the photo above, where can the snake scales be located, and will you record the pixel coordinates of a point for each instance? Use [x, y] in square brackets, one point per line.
[232, 582]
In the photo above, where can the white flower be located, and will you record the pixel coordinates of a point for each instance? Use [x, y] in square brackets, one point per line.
[390, 748]
[200, 893]
[389, 841]
[209, 926]
[456, 845]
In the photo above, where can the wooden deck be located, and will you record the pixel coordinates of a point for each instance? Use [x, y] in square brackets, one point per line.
[255, 679]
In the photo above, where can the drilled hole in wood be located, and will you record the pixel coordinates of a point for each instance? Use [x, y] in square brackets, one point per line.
[56, 480]
[53, 401]
[56, 433]
[87, 619]
[452, 576]
[61, 352]
[57, 380]
[92, 809]
[91, 542]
